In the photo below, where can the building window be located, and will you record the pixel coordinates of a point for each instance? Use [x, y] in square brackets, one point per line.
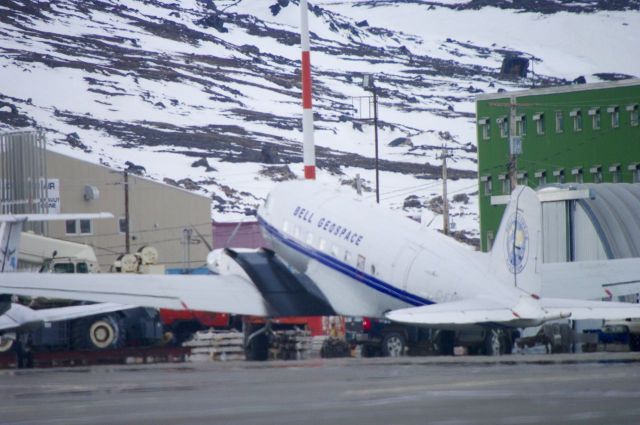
[503, 125]
[633, 115]
[78, 227]
[506, 183]
[539, 119]
[635, 172]
[616, 175]
[577, 119]
[485, 128]
[559, 122]
[577, 175]
[615, 116]
[486, 183]
[523, 178]
[559, 175]
[521, 125]
[596, 173]
[542, 177]
[595, 118]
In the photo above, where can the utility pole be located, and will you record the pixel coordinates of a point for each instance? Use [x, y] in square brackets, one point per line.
[515, 142]
[514, 150]
[375, 129]
[127, 243]
[368, 83]
[445, 198]
[187, 234]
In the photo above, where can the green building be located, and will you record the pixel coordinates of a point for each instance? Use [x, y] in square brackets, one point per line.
[580, 133]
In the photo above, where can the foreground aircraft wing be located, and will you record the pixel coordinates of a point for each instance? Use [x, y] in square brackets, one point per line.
[19, 315]
[525, 312]
[218, 293]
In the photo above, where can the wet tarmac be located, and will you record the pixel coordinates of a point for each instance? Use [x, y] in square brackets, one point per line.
[545, 389]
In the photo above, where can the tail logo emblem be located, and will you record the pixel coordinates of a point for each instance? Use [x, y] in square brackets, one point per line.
[517, 241]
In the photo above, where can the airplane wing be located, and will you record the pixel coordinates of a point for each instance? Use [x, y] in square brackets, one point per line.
[582, 309]
[19, 315]
[219, 293]
[591, 279]
[468, 311]
[524, 312]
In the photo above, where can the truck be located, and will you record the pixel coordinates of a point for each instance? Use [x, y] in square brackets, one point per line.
[126, 328]
[381, 337]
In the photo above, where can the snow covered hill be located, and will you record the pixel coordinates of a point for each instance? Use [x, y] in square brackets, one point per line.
[206, 94]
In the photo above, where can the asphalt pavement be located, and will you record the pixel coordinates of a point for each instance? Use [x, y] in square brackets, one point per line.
[518, 389]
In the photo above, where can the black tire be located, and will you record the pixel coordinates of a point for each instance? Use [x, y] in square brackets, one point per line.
[634, 342]
[6, 345]
[258, 348]
[98, 333]
[369, 351]
[184, 332]
[394, 344]
[334, 348]
[445, 342]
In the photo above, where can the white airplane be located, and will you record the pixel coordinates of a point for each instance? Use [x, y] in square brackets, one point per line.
[335, 253]
[15, 318]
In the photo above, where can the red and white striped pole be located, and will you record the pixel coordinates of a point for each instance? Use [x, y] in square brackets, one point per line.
[309, 154]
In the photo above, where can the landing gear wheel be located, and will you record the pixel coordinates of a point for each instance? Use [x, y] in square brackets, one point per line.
[494, 343]
[258, 348]
[393, 345]
[445, 342]
[256, 342]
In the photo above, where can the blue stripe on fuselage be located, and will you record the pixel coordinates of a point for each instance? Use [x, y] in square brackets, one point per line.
[345, 269]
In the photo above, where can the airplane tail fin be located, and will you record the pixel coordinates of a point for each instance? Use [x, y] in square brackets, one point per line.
[516, 253]
[10, 232]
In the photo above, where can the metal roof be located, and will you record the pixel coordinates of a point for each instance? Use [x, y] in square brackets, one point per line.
[615, 214]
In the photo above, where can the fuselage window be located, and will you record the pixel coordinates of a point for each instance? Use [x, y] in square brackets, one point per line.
[373, 269]
[309, 238]
[323, 245]
[361, 262]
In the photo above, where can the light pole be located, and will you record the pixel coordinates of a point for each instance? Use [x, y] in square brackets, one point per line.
[369, 85]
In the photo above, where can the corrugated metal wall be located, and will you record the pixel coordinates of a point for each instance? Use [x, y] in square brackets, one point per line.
[23, 170]
[605, 227]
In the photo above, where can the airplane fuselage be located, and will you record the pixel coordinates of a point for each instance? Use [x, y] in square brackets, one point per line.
[368, 260]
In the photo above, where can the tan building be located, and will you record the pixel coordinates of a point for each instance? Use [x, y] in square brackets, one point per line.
[160, 215]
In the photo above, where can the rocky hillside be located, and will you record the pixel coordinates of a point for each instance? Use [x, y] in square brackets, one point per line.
[206, 94]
